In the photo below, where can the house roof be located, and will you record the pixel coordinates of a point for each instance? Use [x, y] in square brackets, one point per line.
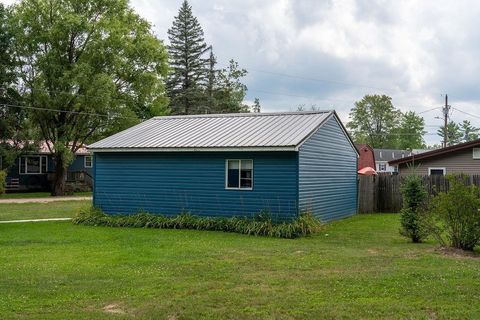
[218, 132]
[390, 154]
[42, 147]
[438, 152]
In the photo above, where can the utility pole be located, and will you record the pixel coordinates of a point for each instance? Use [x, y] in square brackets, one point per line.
[446, 111]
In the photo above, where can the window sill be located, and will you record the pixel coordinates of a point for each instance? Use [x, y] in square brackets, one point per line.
[239, 189]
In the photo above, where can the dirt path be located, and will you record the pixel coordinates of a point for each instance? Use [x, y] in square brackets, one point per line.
[43, 200]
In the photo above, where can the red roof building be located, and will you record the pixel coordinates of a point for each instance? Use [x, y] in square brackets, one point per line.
[366, 158]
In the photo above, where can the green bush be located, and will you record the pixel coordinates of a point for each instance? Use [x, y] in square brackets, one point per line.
[412, 214]
[455, 215]
[3, 181]
[262, 225]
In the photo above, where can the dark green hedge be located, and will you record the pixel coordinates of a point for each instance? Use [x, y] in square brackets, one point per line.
[261, 225]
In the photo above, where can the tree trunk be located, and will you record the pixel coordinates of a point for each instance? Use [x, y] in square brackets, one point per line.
[60, 177]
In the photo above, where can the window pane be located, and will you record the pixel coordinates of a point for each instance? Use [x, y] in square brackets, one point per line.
[88, 161]
[247, 164]
[246, 183]
[233, 172]
[233, 164]
[33, 164]
[436, 172]
[44, 164]
[246, 174]
[22, 165]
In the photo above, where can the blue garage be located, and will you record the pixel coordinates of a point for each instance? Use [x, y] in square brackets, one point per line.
[229, 165]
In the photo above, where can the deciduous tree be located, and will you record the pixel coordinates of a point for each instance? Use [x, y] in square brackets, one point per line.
[374, 120]
[93, 63]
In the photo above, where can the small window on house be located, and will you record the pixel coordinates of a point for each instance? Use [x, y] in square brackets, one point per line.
[33, 164]
[239, 174]
[436, 171]
[476, 153]
[88, 162]
[382, 167]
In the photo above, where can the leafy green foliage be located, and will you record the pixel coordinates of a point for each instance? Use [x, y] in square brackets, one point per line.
[261, 225]
[3, 177]
[13, 123]
[412, 214]
[92, 60]
[459, 132]
[229, 91]
[377, 122]
[410, 132]
[454, 133]
[469, 132]
[455, 215]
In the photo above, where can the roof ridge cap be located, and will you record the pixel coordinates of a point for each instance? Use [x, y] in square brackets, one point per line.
[243, 114]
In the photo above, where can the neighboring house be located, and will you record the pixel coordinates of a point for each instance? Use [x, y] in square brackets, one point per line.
[229, 165]
[35, 170]
[384, 156]
[367, 156]
[460, 158]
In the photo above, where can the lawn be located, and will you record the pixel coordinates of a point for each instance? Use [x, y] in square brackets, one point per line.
[357, 268]
[26, 195]
[57, 209]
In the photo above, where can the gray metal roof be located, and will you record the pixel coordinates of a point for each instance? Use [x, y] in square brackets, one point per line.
[254, 131]
[390, 154]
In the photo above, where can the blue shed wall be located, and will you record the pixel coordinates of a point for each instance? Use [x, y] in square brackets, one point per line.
[328, 173]
[171, 183]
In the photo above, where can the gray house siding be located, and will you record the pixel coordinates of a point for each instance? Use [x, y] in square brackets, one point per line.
[173, 182]
[454, 162]
[328, 173]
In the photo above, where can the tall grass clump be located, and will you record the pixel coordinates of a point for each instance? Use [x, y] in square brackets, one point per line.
[261, 225]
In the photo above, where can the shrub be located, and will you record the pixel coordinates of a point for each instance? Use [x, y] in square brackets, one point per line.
[261, 225]
[412, 214]
[3, 181]
[455, 216]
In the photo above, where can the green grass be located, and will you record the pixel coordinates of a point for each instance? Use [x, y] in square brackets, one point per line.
[57, 209]
[28, 195]
[359, 268]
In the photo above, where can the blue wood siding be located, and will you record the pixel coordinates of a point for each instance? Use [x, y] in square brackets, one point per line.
[328, 173]
[171, 183]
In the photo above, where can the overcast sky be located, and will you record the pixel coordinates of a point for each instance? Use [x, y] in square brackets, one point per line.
[331, 53]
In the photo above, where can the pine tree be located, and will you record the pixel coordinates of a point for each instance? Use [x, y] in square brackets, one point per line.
[189, 71]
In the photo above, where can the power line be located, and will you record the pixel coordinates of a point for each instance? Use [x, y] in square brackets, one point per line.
[467, 113]
[54, 110]
[319, 80]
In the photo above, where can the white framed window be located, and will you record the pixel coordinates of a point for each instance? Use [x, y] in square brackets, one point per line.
[88, 162]
[476, 153]
[239, 174]
[33, 164]
[437, 171]
[382, 167]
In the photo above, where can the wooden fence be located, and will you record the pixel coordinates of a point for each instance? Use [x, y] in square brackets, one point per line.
[382, 193]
